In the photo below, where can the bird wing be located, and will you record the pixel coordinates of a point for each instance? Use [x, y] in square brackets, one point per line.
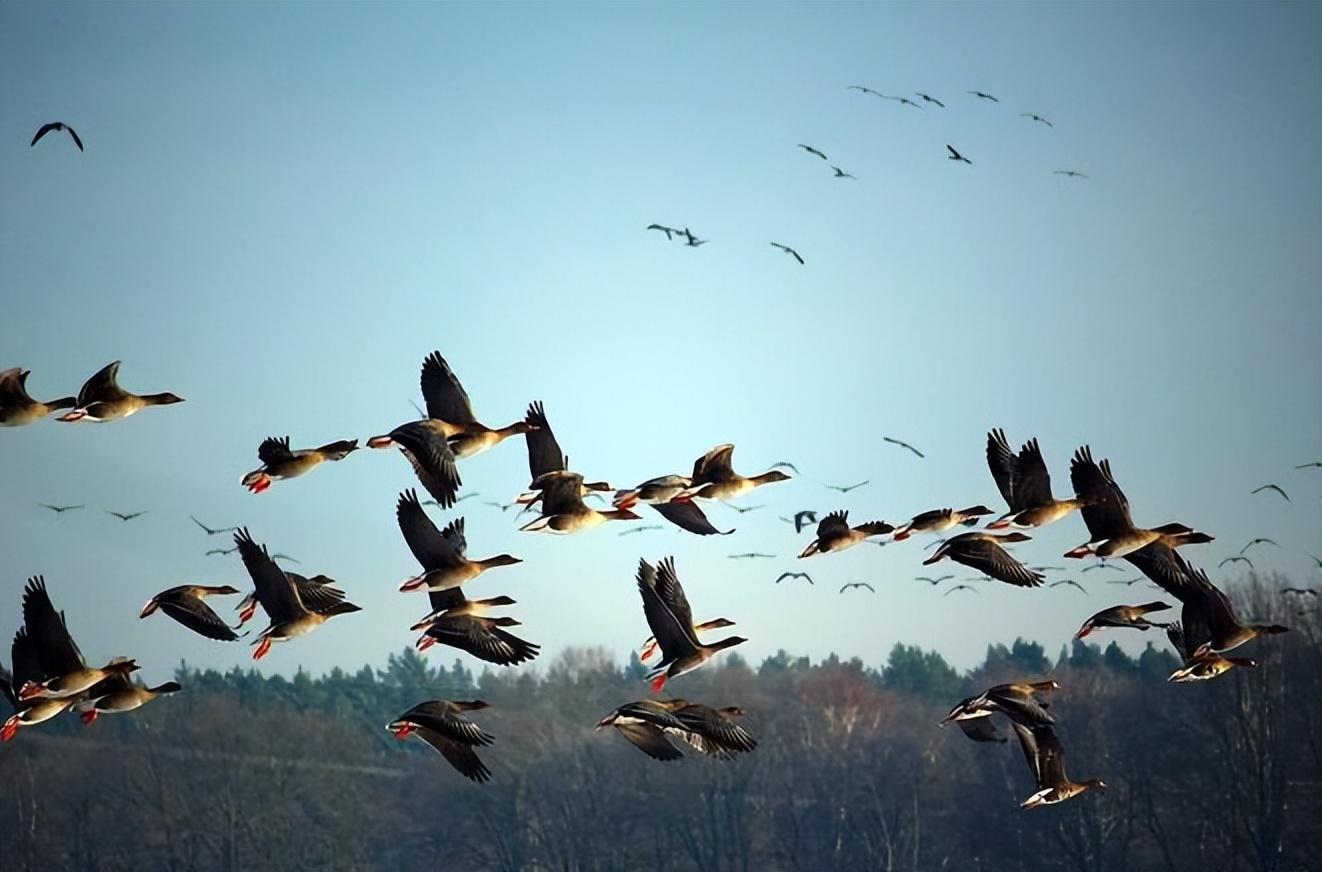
[76, 141]
[1032, 483]
[1211, 603]
[989, 557]
[1051, 757]
[274, 449]
[1107, 514]
[1003, 464]
[444, 396]
[981, 729]
[716, 727]
[1028, 742]
[101, 386]
[675, 638]
[1272, 487]
[27, 663]
[275, 591]
[199, 617]
[651, 740]
[42, 131]
[431, 548]
[689, 516]
[447, 719]
[431, 458]
[485, 642]
[59, 653]
[454, 535]
[1022, 708]
[667, 587]
[562, 493]
[715, 466]
[462, 757]
[953, 153]
[1166, 568]
[797, 256]
[544, 454]
[13, 387]
[1175, 633]
[833, 526]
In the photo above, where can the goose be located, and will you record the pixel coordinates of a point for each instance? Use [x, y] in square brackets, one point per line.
[934, 581]
[1068, 581]
[60, 510]
[839, 174]
[1198, 666]
[985, 553]
[1073, 174]
[854, 584]
[563, 509]
[660, 494]
[1123, 616]
[714, 477]
[126, 516]
[835, 534]
[984, 96]
[279, 598]
[1025, 484]
[1271, 487]
[1261, 540]
[681, 651]
[672, 594]
[857, 88]
[186, 604]
[846, 488]
[30, 661]
[448, 404]
[649, 724]
[1019, 701]
[940, 520]
[425, 446]
[279, 461]
[784, 575]
[17, 408]
[56, 126]
[64, 672]
[209, 531]
[1046, 760]
[670, 232]
[1210, 622]
[545, 456]
[444, 725]
[102, 399]
[447, 564]
[1036, 118]
[117, 694]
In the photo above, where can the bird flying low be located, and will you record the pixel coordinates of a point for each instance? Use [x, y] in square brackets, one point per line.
[445, 726]
[1123, 616]
[671, 621]
[186, 605]
[650, 725]
[984, 552]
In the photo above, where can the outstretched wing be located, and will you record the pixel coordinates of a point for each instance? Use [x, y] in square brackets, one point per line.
[445, 397]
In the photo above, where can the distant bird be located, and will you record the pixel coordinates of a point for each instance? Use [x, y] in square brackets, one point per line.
[960, 587]
[60, 510]
[864, 90]
[279, 598]
[1036, 118]
[844, 489]
[1068, 581]
[186, 605]
[211, 532]
[221, 551]
[502, 506]
[940, 520]
[984, 96]
[788, 250]
[1317, 560]
[934, 581]
[641, 529]
[784, 464]
[279, 461]
[841, 174]
[1261, 540]
[1071, 173]
[929, 99]
[835, 534]
[670, 232]
[17, 408]
[1046, 760]
[102, 399]
[1271, 487]
[857, 584]
[784, 575]
[811, 150]
[1127, 582]
[902, 444]
[1235, 559]
[468, 496]
[421, 414]
[1122, 616]
[905, 101]
[743, 510]
[1316, 464]
[984, 552]
[56, 126]
[445, 726]
[1102, 565]
[681, 650]
[127, 516]
[752, 555]
[714, 478]
[1302, 591]
[803, 519]
[693, 241]
[955, 155]
[1047, 568]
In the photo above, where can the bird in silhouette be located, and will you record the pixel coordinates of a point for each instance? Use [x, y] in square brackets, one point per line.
[954, 155]
[752, 555]
[1103, 566]
[1073, 174]
[788, 250]
[60, 510]
[844, 489]
[1316, 464]
[1127, 582]
[670, 232]
[961, 587]
[784, 575]
[211, 532]
[902, 444]
[784, 464]
[1235, 559]
[841, 174]
[858, 88]
[846, 587]
[1068, 581]
[929, 99]
[1274, 487]
[1261, 540]
[57, 126]
[633, 530]
[693, 241]
[1047, 568]
[811, 150]
[1036, 118]
[743, 510]
[127, 516]
[934, 581]
[803, 519]
[221, 551]
[984, 96]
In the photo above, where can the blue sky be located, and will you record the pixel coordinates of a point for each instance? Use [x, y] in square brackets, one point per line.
[283, 208]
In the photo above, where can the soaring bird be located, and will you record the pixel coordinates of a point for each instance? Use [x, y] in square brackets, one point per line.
[1261, 540]
[1068, 581]
[955, 155]
[846, 488]
[752, 555]
[670, 232]
[743, 510]
[17, 407]
[60, 510]
[803, 519]
[961, 587]
[835, 534]
[57, 126]
[1122, 616]
[714, 478]
[902, 444]
[1274, 487]
[1235, 559]
[424, 445]
[934, 581]
[186, 605]
[280, 461]
[1301, 591]
[929, 99]
[445, 726]
[846, 587]
[984, 96]
[681, 651]
[903, 101]
[210, 531]
[790, 251]
[102, 399]
[1074, 174]
[64, 673]
[983, 552]
[279, 598]
[1046, 760]
[1096, 566]
[127, 516]
[1036, 118]
[221, 551]
[784, 575]
[1127, 582]
[858, 88]
[1025, 484]
[839, 174]
[811, 150]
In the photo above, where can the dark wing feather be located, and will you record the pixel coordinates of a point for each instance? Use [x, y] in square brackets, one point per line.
[454, 536]
[716, 727]
[491, 644]
[274, 449]
[1051, 757]
[674, 638]
[1164, 566]
[13, 387]
[833, 526]
[315, 596]
[76, 141]
[429, 546]
[1032, 483]
[462, 757]
[432, 460]
[41, 131]
[1211, 604]
[651, 740]
[981, 729]
[672, 594]
[1003, 464]
[1028, 743]
[59, 654]
[275, 591]
[992, 559]
[1108, 515]
[445, 397]
[197, 616]
[544, 454]
[445, 718]
[689, 516]
[102, 386]
[1019, 707]
[715, 466]
[27, 665]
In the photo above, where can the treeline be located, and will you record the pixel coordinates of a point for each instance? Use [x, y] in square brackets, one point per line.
[851, 772]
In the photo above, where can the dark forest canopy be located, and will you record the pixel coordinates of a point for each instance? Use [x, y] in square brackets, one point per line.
[243, 771]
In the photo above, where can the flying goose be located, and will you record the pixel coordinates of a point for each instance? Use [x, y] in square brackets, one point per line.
[928, 99]
[940, 520]
[784, 575]
[126, 516]
[444, 725]
[425, 446]
[681, 651]
[846, 488]
[60, 510]
[650, 724]
[448, 404]
[102, 399]
[1273, 487]
[984, 552]
[1036, 118]
[56, 126]
[118, 694]
[1123, 616]
[661, 492]
[955, 155]
[811, 150]
[1019, 701]
[280, 461]
[852, 584]
[835, 534]
[1068, 581]
[211, 532]
[1025, 484]
[17, 408]
[672, 594]
[447, 564]
[984, 96]
[1046, 760]
[64, 673]
[902, 444]
[1074, 174]
[1196, 665]
[839, 174]
[714, 478]
[186, 605]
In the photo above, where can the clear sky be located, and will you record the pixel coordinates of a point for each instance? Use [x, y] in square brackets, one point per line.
[283, 208]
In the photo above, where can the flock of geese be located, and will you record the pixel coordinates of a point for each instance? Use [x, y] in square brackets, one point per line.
[50, 675]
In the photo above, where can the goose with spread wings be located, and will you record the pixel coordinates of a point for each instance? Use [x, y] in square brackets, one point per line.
[650, 724]
[714, 478]
[56, 126]
[280, 461]
[186, 604]
[790, 251]
[101, 398]
[1046, 760]
[445, 726]
[660, 494]
[1025, 483]
[64, 673]
[940, 520]
[672, 594]
[835, 534]
[1020, 701]
[448, 564]
[681, 651]
[955, 155]
[545, 456]
[986, 553]
[1123, 616]
[17, 408]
